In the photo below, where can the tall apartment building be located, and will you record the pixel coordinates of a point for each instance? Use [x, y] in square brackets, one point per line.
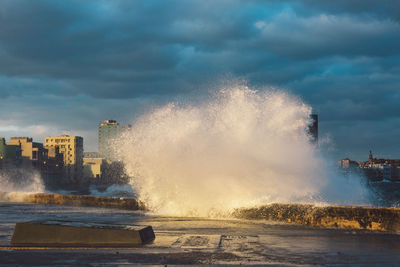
[72, 149]
[109, 130]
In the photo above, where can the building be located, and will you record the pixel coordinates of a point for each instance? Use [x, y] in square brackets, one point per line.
[32, 153]
[348, 163]
[379, 169]
[10, 155]
[53, 167]
[102, 172]
[93, 167]
[108, 131]
[91, 155]
[71, 147]
[313, 128]
[21, 153]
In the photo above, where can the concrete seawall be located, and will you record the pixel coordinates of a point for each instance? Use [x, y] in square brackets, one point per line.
[352, 217]
[74, 200]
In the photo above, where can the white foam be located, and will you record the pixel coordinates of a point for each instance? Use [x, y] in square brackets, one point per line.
[240, 148]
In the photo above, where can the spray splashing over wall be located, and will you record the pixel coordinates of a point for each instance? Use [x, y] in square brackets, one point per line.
[239, 148]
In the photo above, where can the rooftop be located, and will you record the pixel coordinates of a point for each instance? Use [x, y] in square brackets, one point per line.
[109, 122]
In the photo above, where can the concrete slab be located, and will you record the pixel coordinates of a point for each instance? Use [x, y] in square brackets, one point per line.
[66, 233]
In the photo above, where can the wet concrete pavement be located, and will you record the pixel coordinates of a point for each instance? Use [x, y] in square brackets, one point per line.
[199, 241]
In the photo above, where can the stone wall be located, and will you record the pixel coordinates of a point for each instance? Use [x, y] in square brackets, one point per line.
[353, 217]
[74, 200]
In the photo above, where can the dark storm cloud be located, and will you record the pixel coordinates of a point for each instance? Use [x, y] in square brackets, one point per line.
[93, 57]
[327, 35]
[387, 9]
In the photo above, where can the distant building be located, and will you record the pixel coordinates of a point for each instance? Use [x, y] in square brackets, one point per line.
[313, 128]
[29, 149]
[100, 171]
[32, 152]
[21, 153]
[93, 167]
[91, 155]
[378, 169]
[109, 130]
[52, 170]
[71, 147]
[10, 155]
[55, 158]
[348, 163]
[53, 153]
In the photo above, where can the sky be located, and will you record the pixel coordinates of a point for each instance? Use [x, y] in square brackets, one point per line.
[65, 66]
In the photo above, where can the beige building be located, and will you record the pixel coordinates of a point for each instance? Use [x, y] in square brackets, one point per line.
[101, 171]
[72, 149]
[92, 167]
[31, 152]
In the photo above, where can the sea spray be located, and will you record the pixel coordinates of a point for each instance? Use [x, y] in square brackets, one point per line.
[239, 148]
[114, 190]
[21, 180]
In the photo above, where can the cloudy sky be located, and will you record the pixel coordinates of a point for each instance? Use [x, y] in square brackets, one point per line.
[67, 65]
